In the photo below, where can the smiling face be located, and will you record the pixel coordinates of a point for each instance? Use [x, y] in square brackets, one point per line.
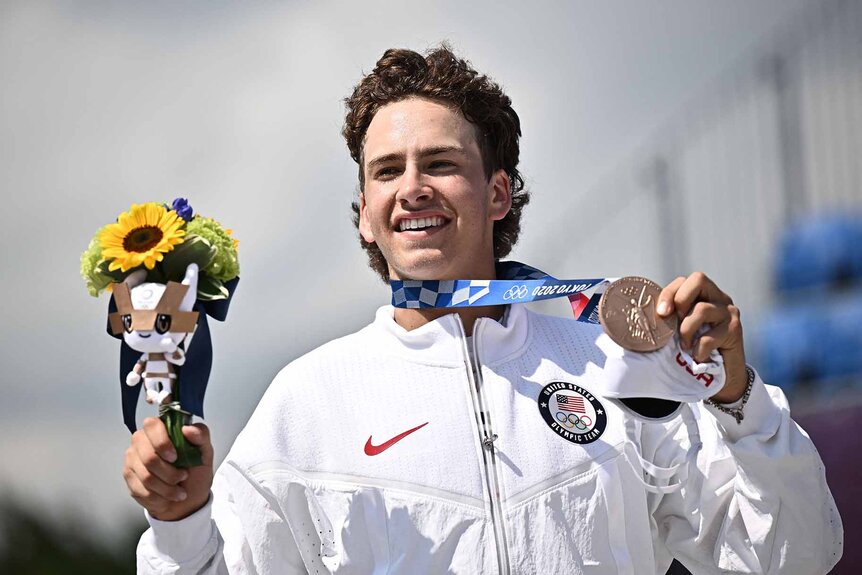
[427, 203]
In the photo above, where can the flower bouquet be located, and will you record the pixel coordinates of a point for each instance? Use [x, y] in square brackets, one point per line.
[168, 269]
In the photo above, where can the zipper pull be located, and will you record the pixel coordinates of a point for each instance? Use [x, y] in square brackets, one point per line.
[488, 442]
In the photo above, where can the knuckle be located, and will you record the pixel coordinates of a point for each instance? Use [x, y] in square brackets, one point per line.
[701, 309]
[688, 327]
[162, 446]
[138, 437]
[150, 459]
[205, 431]
[146, 478]
[685, 325]
[735, 325]
[151, 423]
[173, 476]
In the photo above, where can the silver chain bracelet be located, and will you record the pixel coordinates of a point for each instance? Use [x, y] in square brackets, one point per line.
[736, 412]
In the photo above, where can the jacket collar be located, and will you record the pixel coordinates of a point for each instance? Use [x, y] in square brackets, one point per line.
[442, 341]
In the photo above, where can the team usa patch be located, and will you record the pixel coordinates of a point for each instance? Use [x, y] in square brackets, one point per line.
[572, 412]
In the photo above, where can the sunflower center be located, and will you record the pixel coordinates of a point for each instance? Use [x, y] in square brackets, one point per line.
[142, 239]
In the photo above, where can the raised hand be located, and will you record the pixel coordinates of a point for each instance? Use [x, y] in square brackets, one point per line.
[168, 493]
[697, 302]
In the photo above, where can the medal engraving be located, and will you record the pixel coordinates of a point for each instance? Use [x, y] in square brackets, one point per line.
[627, 314]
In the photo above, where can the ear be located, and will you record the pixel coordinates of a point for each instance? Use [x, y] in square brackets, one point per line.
[135, 278]
[364, 225]
[500, 195]
[190, 280]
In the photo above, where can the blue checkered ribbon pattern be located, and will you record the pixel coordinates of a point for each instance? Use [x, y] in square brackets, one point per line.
[518, 283]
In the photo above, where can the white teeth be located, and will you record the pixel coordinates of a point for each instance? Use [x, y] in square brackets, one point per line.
[420, 223]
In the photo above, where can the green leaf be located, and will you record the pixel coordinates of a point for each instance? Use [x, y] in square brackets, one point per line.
[157, 275]
[210, 289]
[194, 249]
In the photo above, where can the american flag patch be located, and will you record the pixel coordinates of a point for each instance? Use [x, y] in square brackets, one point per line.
[570, 403]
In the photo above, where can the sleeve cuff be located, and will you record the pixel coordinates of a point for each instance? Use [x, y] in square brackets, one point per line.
[182, 540]
[762, 415]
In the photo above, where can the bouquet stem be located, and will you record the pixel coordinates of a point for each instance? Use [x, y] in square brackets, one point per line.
[188, 455]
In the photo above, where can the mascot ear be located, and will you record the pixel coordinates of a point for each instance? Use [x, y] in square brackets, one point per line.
[135, 278]
[190, 280]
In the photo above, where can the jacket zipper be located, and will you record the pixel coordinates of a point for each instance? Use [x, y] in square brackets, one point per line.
[489, 457]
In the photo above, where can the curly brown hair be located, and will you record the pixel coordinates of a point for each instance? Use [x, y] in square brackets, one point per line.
[441, 76]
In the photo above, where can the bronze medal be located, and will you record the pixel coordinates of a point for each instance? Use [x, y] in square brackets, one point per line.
[627, 312]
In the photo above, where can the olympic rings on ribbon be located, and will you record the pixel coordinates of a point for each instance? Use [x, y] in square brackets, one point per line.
[515, 292]
[572, 421]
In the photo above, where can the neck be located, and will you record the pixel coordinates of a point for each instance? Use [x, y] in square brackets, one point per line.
[411, 319]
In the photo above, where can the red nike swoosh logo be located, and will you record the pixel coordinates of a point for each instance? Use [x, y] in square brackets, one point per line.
[378, 449]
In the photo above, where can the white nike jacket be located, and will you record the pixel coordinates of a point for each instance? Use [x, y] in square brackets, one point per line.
[388, 451]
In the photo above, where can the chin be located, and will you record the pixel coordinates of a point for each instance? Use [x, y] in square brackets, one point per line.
[432, 268]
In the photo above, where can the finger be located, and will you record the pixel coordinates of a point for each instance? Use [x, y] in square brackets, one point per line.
[153, 484]
[199, 435]
[710, 341]
[153, 503]
[156, 432]
[665, 298]
[697, 287]
[144, 452]
[702, 313]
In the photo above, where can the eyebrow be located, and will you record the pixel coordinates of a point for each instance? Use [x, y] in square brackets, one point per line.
[423, 153]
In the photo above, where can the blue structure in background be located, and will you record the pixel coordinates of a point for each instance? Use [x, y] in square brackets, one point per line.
[814, 335]
[822, 253]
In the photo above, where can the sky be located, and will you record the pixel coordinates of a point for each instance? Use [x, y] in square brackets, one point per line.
[238, 107]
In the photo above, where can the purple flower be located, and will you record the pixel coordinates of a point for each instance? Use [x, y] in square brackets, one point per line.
[183, 209]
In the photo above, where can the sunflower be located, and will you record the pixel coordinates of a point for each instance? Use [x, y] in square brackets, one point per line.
[143, 235]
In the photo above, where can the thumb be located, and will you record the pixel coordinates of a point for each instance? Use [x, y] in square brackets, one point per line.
[199, 434]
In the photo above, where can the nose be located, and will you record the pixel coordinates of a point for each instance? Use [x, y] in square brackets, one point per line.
[412, 188]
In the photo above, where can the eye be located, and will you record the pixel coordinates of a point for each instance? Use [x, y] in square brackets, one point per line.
[441, 164]
[163, 323]
[386, 173]
[127, 323]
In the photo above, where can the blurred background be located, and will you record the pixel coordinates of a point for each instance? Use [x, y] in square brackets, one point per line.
[659, 138]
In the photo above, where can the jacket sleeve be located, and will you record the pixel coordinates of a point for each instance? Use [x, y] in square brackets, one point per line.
[238, 531]
[757, 501]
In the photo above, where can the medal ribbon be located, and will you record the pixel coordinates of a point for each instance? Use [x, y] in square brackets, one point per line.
[518, 283]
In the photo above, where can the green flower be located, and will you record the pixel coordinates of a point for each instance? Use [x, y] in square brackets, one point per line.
[225, 264]
[92, 273]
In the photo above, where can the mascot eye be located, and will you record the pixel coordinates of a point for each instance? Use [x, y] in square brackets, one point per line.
[127, 323]
[163, 323]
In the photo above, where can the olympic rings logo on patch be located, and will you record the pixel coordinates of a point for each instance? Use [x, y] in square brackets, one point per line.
[515, 292]
[573, 421]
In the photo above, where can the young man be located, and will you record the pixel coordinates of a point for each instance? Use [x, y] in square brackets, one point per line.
[439, 460]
